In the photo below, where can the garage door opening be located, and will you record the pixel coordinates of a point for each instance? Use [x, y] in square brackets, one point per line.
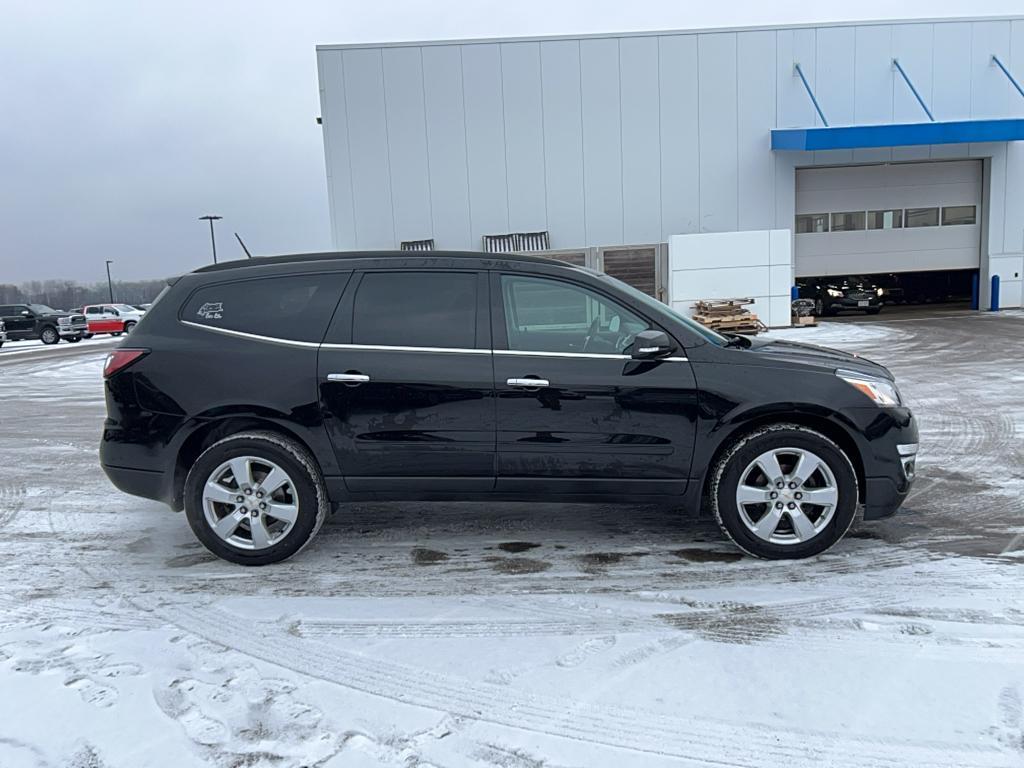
[892, 293]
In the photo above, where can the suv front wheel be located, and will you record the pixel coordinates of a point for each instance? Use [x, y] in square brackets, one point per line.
[784, 491]
[255, 498]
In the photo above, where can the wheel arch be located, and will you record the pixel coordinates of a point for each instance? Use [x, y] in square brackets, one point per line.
[210, 432]
[820, 421]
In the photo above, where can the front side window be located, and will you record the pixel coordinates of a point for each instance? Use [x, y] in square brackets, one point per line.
[958, 214]
[847, 221]
[922, 217]
[416, 309]
[888, 219]
[291, 307]
[42, 309]
[543, 315]
[811, 222]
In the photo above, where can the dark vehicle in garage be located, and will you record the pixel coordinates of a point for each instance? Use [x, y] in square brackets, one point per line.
[832, 295]
[38, 321]
[256, 394]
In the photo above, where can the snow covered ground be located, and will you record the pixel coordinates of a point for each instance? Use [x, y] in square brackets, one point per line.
[522, 635]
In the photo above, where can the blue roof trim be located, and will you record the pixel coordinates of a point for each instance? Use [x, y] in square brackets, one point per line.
[898, 134]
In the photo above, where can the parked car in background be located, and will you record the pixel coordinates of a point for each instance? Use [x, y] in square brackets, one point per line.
[832, 295]
[114, 319]
[38, 321]
[142, 307]
[255, 395]
[3, 333]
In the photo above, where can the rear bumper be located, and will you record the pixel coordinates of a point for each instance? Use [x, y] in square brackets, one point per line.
[149, 484]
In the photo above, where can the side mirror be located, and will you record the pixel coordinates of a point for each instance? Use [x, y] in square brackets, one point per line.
[649, 345]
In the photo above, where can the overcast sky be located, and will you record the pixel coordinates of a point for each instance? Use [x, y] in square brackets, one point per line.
[122, 122]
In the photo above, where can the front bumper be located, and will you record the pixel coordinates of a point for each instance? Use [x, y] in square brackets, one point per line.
[72, 329]
[890, 458]
[848, 304]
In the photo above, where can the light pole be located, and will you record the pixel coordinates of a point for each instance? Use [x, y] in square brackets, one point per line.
[110, 285]
[213, 241]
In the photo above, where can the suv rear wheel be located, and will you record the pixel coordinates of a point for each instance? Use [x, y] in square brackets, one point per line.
[784, 491]
[255, 498]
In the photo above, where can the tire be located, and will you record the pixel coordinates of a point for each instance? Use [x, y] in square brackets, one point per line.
[128, 326]
[837, 480]
[305, 490]
[73, 339]
[49, 335]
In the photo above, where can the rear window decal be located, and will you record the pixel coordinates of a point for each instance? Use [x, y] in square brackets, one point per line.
[211, 310]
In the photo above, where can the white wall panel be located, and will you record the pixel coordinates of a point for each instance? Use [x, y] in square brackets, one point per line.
[563, 142]
[912, 45]
[755, 110]
[990, 90]
[951, 79]
[717, 92]
[524, 136]
[680, 144]
[368, 145]
[834, 83]
[602, 139]
[873, 85]
[795, 109]
[641, 140]
[446, 147]
[407, 143]
[335, 131]
[485, 141]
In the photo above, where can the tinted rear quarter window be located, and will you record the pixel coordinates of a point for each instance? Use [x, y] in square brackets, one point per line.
[416, 309]
[293, 307]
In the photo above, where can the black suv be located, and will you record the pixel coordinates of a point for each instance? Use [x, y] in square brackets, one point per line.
[256, 394]
[38, 321]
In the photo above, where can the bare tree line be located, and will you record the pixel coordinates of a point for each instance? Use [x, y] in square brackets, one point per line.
[69, 294]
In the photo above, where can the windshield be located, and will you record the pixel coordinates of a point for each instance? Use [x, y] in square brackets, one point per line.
[42, 309]
[660, 308]
[124, 308]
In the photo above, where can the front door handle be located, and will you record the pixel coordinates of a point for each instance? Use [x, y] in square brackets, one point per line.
[528, 383]
[349, 379]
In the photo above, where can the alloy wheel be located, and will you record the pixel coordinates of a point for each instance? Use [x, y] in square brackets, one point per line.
[787, 496]
[250, 502]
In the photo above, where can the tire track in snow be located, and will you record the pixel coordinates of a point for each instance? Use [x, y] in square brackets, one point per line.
[699, 740]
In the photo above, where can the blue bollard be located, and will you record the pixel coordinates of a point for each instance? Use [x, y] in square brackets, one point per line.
[975, 286]
[794, 293]
[994, 307]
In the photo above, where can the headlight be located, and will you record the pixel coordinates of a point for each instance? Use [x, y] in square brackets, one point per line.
[835, 293]
[880, 291]
[882, 391]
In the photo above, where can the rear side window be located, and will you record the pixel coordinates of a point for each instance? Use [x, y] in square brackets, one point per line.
[416, 309]
[296, 307]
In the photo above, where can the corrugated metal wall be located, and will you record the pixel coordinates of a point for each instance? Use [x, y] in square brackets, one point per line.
[607, 141]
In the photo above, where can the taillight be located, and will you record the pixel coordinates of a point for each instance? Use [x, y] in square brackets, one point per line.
[120, 359]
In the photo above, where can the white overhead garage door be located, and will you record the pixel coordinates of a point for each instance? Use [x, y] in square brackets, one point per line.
[894, 217]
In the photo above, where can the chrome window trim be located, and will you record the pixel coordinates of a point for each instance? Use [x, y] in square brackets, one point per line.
[253, 336]
[391, 348]
[439, 350]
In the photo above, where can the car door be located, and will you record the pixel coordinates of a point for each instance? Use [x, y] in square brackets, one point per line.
[575, 414]
[406, 382]
[18, 325]
[101, 321]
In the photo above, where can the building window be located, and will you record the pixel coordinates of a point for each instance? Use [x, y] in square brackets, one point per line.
[922, 217]
[847, 221]
[891, 219]
[811, 222]
[958, 214]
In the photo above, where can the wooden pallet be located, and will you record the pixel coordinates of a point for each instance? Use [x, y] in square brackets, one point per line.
[728, 315]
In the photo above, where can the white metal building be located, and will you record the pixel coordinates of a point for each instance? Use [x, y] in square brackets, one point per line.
[832, 149]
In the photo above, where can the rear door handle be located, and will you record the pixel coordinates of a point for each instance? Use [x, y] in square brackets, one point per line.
[528, 383]
[349, 379]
